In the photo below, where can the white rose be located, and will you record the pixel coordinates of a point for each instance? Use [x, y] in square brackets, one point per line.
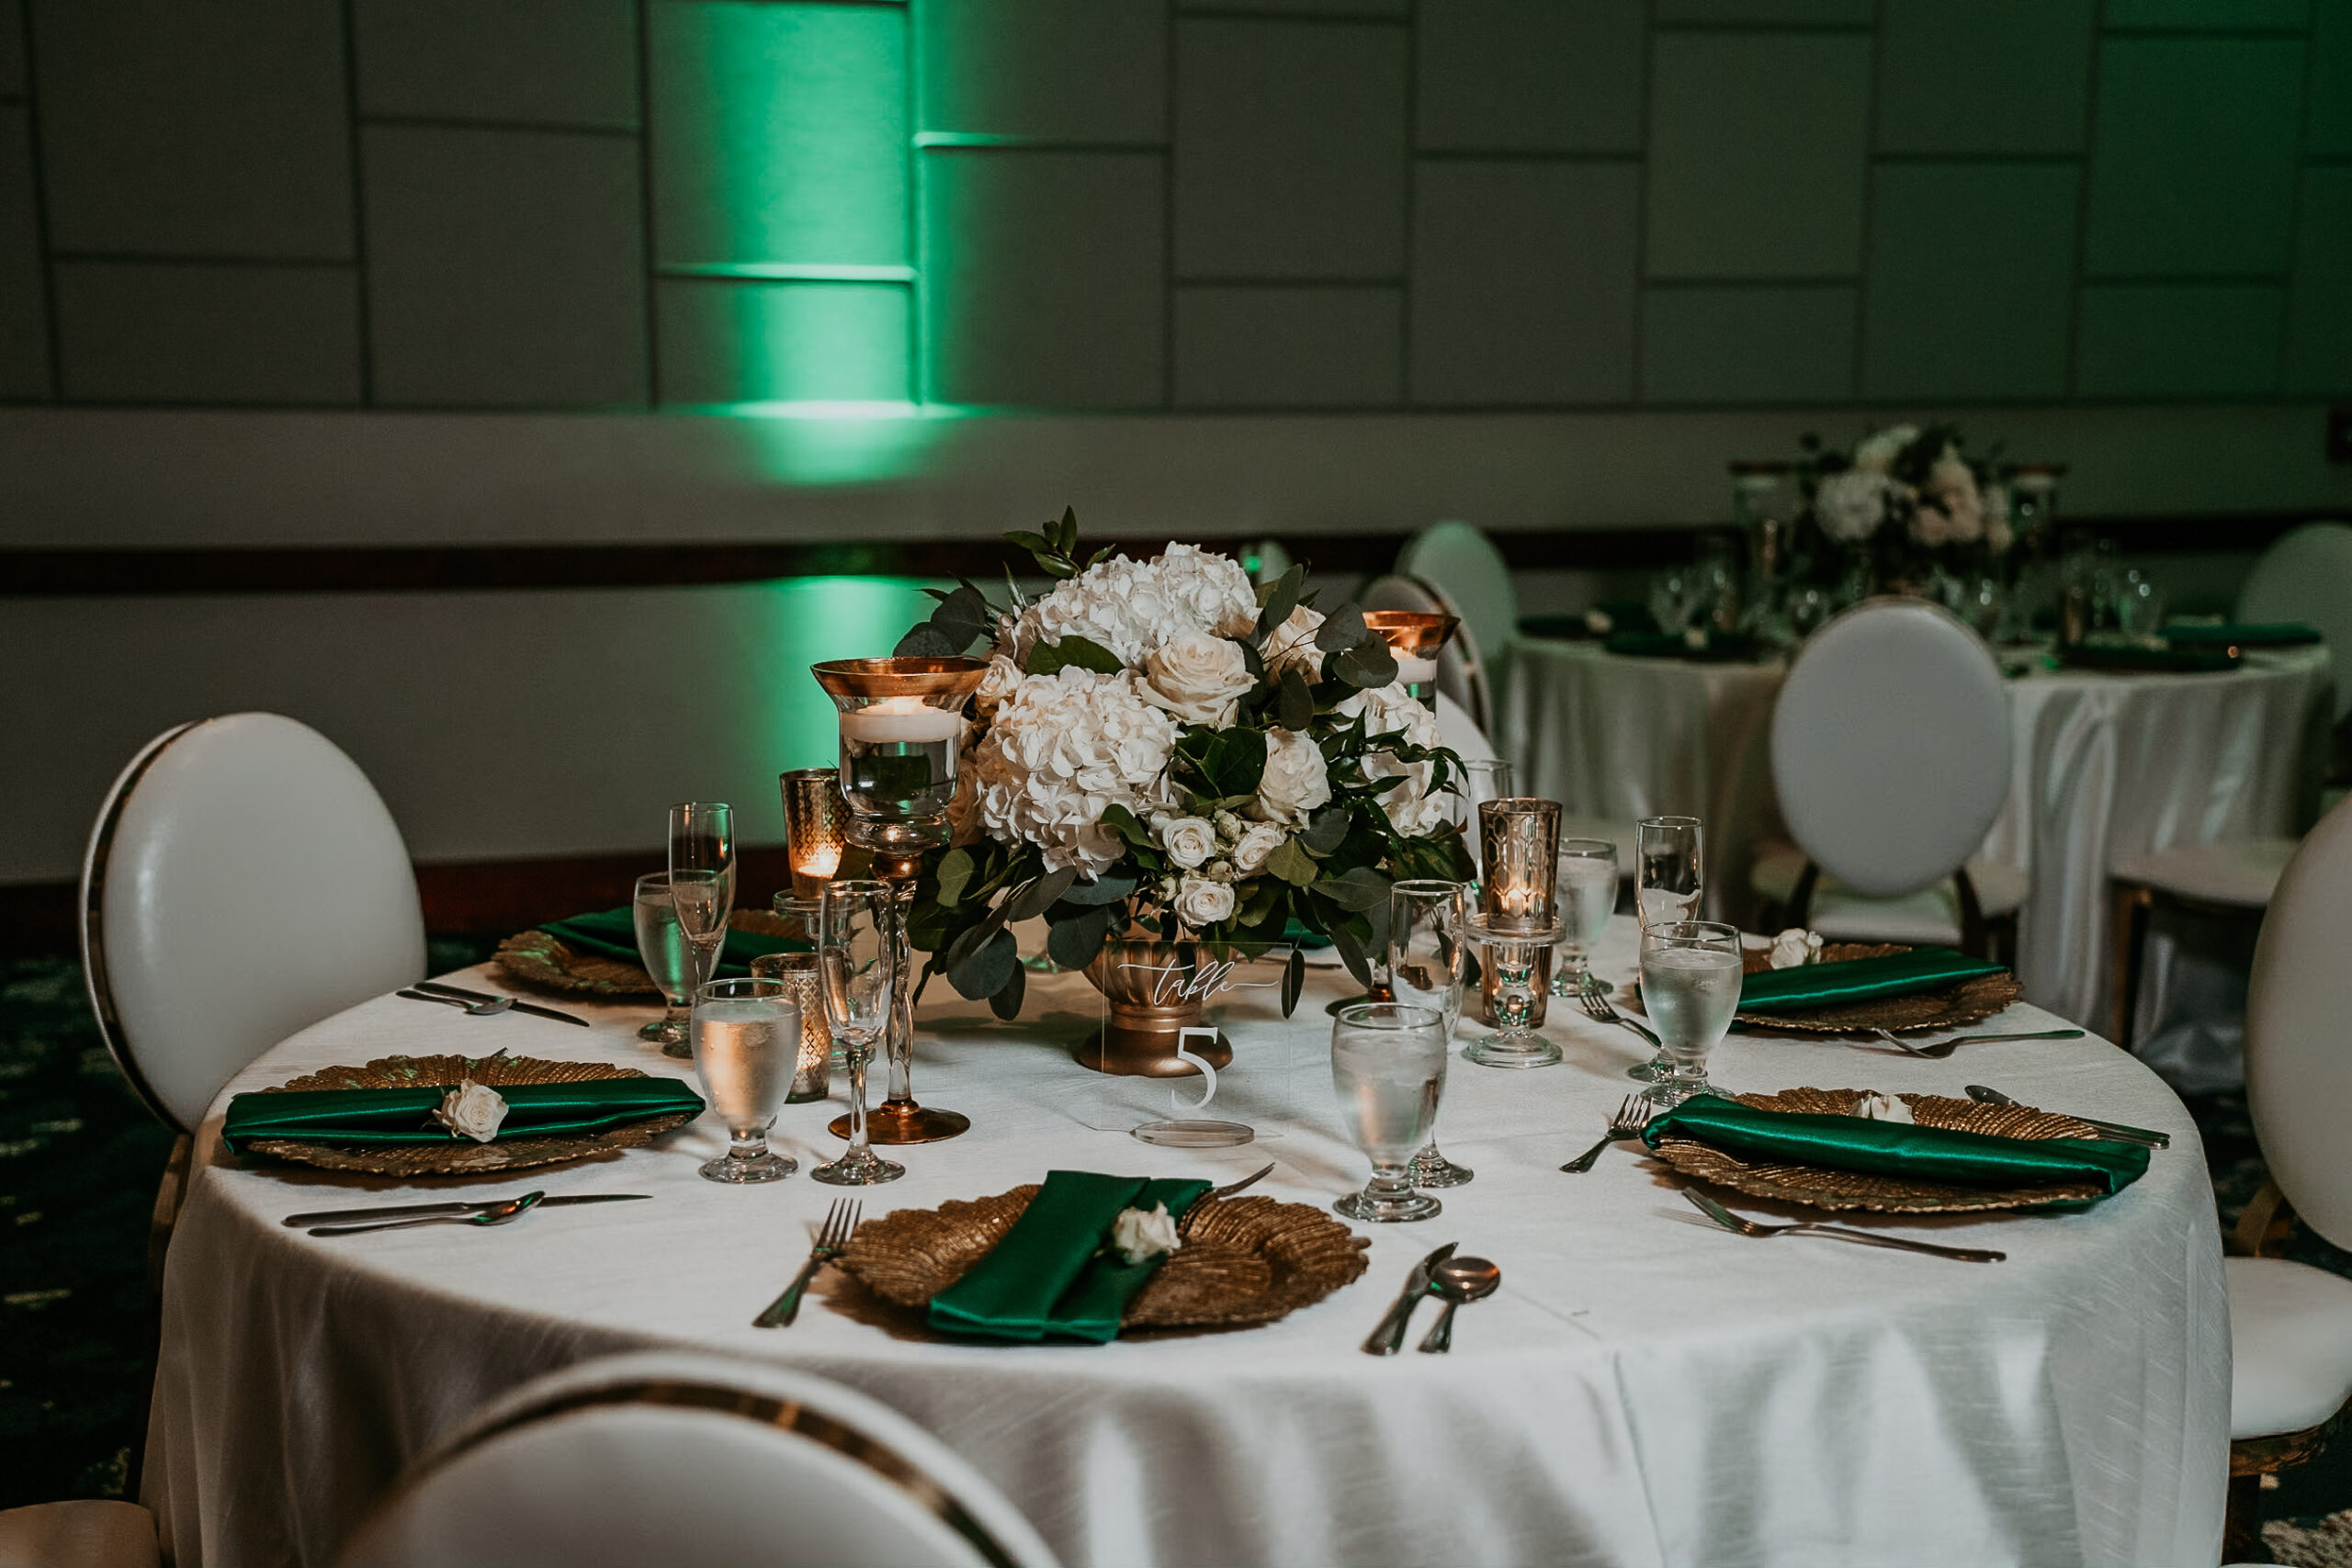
[1257, 841]
[1851, 505]
[1202, 902]
[472, 1111]
[1599, 623]
[1877, 1107]
[1951, 490]
[1198, 678]
[1930, 527]
[1189, 841]
[1795, 946]
[996, 685]
[1392, 710]
[1137, 1236]
[1412, 809]
[1294, 782]
[1876, 453]
[1291, 646]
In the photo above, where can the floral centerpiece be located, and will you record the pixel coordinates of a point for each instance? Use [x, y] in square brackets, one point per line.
[1905, 506]
[1162, 752]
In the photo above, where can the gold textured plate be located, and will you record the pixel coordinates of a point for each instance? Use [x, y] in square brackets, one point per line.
[1971, 1001]
[540, 960]
[1824, 1187]
[462, 1157]
[1245, 1261]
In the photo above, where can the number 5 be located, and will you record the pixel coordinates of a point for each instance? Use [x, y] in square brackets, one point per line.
[1209, 1072]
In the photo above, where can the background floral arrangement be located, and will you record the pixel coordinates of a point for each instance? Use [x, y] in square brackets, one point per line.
[1161, 749]
[1904, 502]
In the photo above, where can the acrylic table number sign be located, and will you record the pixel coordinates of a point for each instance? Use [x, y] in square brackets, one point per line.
[1211, 1095]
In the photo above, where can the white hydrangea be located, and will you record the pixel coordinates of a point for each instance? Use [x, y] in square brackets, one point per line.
[1133, 607]
[1851, 504]
[1389, 710]
[1064, 748]
[1876, 453]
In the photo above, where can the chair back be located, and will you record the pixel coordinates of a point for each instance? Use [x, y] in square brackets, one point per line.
[1461, 562]
[2298, 1069]
[1460, 674]
[243, 881]
[692, 1461]
[2306, 575]
[1459, 733]
[1890, 746]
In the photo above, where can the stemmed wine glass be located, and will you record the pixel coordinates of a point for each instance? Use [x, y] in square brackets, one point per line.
[747, 1039]
[1691, 983]
[701, 878]
[1587, 898]
[1668, 881]
[858, 924]
[1389, 1070]
[667, 959]
[1426, 962]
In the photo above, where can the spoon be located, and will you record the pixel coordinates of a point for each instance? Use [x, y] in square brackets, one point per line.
[1458, 1280]
[478, 1010]
[496, 1214]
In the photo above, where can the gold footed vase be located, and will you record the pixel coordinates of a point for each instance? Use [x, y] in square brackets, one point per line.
[1154, 990]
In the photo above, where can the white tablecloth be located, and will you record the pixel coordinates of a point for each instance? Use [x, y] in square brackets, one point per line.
[2104, 766]
[1645, 1389]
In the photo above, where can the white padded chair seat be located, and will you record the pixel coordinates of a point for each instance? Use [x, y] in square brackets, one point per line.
[2244, 872]
[85, 1534]
[2290, 1346]
[1929, 916]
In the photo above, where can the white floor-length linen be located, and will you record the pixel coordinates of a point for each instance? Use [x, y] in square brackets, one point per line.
[2104, 767]
[1644, 1388]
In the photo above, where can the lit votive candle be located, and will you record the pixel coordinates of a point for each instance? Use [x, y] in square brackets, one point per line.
[904, 720]
[1415, 671]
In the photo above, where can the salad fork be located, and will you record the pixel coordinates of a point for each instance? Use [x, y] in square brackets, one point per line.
[1594, 995]
[1732, 1222]
[1631, 1118]
[840, 1224]
[1935, 1051]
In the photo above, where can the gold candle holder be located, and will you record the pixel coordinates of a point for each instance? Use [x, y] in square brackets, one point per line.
[814, 818]
[1414, 639]
[1520, 851]
[796, 972]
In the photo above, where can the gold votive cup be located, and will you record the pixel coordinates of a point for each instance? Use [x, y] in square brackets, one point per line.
[812, 1069]
[1519, 847]
[815, 821]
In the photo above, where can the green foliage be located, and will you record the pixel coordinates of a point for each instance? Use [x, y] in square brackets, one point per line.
[1073, 653]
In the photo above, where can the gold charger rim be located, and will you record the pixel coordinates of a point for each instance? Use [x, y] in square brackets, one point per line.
[541, 959]
[1971, 1001]
[1824, 1187]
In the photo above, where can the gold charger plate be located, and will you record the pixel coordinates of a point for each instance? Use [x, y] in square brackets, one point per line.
[1971, 1001]
[1823, 1187]
[464, 1158]
[1245, 1261]
[540, 960]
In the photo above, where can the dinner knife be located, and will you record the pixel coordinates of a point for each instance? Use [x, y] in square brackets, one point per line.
[533, 1008]
[402, 1210]
[1983, 1095]
[1389, 1337]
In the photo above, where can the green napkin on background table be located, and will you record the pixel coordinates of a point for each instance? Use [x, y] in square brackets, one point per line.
[1719, 647]
[2248, 634]
[612, 933]
[1899, 1148]
[376, 1116]
[1052, 1276]
[2162, 661]
[1808, 985]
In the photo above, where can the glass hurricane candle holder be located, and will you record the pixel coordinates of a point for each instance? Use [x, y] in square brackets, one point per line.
[814, 818]
[1518, 958]
[900, 721]
[1519, 848]
[1414, 639]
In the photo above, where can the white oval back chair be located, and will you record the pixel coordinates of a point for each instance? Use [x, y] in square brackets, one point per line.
[2306, 575]
[2291, 1325]
[1461, 563]
[1891, 753]
[692, 1461]
[1461, 673]
[243, 881]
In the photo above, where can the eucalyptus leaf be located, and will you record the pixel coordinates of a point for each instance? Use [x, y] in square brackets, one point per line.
[1282, 601]
[1046, 658]
[1005, 1001]
[1103, 890]
[1343, 628]
[988, 971]
[1074, 943]
[1350, 952]
[1292, 864]
[1035, 898]
[1329, 826]
[924, 641]
[956, 869]
[1294, 979]
[1294, 704]
[1357, 889]
[1366, 667]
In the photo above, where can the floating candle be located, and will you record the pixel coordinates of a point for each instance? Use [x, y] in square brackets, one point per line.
[1415, 671]
[901, 720]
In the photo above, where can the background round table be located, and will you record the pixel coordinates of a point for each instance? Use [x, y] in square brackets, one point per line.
[1646, 1388]
[2103, 766]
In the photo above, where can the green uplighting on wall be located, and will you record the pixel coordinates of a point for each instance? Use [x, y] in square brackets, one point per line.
[804, 620]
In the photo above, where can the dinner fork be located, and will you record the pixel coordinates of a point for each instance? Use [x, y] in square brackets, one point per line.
[1732, 1222]
[841, 1223]
[1938, 1050]
[1594, 994]
[490, 1008]
[1631, 1118]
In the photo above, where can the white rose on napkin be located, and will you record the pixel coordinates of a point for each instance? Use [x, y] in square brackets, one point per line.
[1794, 946]
[472, 1111]
[1877, 1107]
[1138, 1235]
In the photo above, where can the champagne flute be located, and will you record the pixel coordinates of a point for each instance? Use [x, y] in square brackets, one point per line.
[1427, 962]
[1389, 1070]
[1691, 985]
[701, 878]
[747, 1039]
[857, 953]
[662, 949]
[1587, 898]
[1668, 880]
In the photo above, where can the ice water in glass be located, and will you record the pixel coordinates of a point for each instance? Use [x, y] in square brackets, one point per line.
[1388, 1072]
[1586, 895]
[662, 947]
[1691, 985]
[746, 1045]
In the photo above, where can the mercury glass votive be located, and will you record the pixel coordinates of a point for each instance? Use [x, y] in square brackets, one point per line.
[1414, 639]
[900, 721]
[815, 815]
[798, 974]
[1519, 846]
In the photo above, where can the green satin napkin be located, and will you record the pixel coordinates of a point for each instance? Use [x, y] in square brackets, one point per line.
[1719, 647]
[612, 933]
[373, 1116]
[1054, 1275]
[1898, 1148]
[2161, 660]
[1627, 617]
[2251, 634]
[1807, 985]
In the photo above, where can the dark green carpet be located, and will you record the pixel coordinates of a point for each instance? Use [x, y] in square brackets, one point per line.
[80, 1158]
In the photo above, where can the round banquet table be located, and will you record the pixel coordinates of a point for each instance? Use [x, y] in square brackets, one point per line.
[2103, 767]
[1644, 1388]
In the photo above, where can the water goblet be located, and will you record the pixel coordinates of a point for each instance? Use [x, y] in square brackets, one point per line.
[1586, 895]
[1427, 962]
[662, 949]
[747, 1037]
[1668, 881]
[1388, 1071]
[857, 960]
[701, 878]
[1691, 985]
